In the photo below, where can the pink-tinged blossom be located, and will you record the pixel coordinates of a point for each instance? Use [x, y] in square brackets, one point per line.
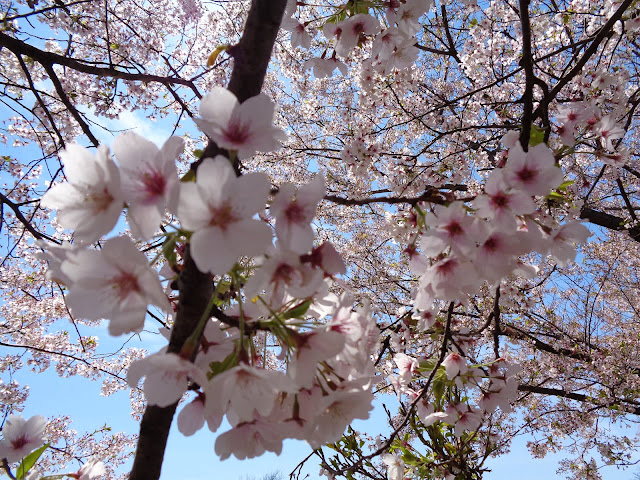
[395, 465]
[618, 159]
[454, 365]
[116, 283]
[90, 470]
[324, 67]
[428, 415]
[299, 35]
[250, 439]
[238, 388]
[449, 226]
[407, 15]
[386, 42]
[496, 255]
[149, 181]
[348, 31]
[407, 366]
[193, 415]
[533, 172]
[20, 437]
[167, 377]
[463, 417]
[294, 210]
[337, 410]
[244, 127]
[90, 202]
[54, 255]
[310, 348]
[218, 207]
[609, 131]
[216, 344]
[564, 240]
[500, 203]
[327, 258]
[426, 319]
[449, 279]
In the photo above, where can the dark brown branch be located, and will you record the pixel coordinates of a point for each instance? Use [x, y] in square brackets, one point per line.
[610, 221]
[251, 59]
[603, 33]
[430, 195]
[19, 47]
[67, 103]
[579, 397]
[27, 224]
[527, 63]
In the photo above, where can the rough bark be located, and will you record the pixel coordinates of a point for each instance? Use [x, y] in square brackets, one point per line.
[251, 58]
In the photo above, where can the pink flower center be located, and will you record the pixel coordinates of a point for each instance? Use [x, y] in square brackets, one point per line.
[19, 442]
[222, 217]
[125, 283]
[454, 229]
[447, 267]
[491, 244]
[284, 273]
[294, 213]
[500, 200]
[237, 132]
[527, 174]
[154, 185]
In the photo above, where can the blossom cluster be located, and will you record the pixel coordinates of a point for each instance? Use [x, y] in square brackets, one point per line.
[322, 378]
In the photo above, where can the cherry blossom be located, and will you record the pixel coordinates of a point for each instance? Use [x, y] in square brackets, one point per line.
[348, 31]
[20, 437]
[116, 283]
[91, 201]
[247, 127]
[454, 365]
[395, 465]
[237, 388]
[149, 180]
[533, 171]
[293, 210]
[167, 377]
[90, 470]
[218, 208]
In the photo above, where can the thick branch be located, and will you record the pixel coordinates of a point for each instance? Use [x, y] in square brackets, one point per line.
[251, 60]
[603, 33]
[610, 221]
[579, 397]
[49, 58]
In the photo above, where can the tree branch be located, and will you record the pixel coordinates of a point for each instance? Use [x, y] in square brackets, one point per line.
[251, 60]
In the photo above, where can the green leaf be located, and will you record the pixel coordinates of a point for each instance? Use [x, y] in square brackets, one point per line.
[169, 249]
[555, 196]
[536, 136]
[190, 176]
[218, 367]
[29, 461]
[439, 383]
[298, 311]
[564, 185]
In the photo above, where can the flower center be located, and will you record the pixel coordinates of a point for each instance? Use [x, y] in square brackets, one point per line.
[125, 283]
[295, 213]
[237, 132]
[101, 200]
[19, 442]
[154, 185]
[527, 174]
[222, 217]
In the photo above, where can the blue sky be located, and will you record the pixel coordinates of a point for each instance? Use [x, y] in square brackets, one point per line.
[193, 458]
